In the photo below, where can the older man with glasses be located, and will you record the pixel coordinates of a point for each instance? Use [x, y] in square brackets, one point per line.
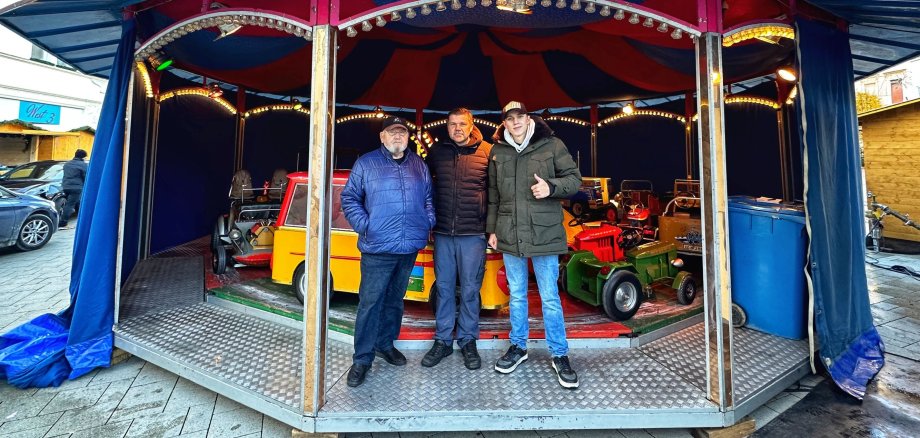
[388, 202]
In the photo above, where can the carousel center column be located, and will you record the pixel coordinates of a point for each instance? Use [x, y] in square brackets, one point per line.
[713, 193]
[322, 117]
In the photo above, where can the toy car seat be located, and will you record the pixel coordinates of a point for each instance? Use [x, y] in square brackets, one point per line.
[241, 185]
[279, 184]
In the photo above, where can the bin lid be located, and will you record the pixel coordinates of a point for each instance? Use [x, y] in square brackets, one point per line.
[765, 207]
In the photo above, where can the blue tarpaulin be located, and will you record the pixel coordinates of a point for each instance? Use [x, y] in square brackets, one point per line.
[49, 348]
[850, 346]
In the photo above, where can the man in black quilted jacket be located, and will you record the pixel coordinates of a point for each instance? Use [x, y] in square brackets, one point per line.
[72, 185]
[459, 168]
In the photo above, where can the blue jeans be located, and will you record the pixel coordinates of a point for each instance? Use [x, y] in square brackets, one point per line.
[384, 278]
[463, 258]
[546, 269]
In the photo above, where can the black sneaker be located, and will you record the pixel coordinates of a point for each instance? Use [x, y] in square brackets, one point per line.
[470, 356]
[567, 376]
[356, 374]
[438, 351]
[393, 357]
[507, 363]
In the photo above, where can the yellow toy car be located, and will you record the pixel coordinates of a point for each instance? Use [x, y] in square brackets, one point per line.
[287, 261]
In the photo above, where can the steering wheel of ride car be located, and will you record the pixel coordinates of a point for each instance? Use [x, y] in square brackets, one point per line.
[577, 220]
[682, 200]
[629, 239]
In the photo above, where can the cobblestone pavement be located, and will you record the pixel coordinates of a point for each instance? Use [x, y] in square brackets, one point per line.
[138, 399]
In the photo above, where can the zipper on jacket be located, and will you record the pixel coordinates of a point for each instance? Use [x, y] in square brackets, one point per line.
[453, 225]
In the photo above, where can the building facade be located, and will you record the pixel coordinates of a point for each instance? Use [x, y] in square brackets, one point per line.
[892, 86]
[41, 97]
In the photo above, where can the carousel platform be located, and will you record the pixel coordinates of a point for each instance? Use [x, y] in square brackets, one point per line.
[252, 357]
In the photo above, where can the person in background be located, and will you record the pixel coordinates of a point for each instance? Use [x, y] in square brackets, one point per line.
[460, 173]
[530, 170]
[387, 200]
[72, 185]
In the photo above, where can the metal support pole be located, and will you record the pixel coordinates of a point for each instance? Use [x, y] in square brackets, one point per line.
[319, 217]
[688, 133]
[594, 121]
[717, 279]
[240, 138]
[120, 245]
[150, 174]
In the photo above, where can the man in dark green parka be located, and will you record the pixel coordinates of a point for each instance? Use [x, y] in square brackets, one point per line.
[530, 170]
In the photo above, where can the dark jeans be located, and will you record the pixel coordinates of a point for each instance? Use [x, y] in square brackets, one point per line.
[73, 200]
[463, 258]
[384, 278]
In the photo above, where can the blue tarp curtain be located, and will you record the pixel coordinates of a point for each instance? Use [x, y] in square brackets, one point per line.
[50, 348]
[850, 346]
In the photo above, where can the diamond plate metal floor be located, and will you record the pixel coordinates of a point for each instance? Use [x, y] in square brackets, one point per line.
[663, 377]
[758, 357]
[161, 283]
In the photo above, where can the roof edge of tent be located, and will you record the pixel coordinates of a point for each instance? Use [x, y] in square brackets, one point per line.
[173, 31]
[387, 9]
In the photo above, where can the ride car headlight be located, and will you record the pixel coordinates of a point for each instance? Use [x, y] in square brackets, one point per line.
[235, 234]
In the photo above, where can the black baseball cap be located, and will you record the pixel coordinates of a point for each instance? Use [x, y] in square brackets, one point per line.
[391, 120]
[513, 106]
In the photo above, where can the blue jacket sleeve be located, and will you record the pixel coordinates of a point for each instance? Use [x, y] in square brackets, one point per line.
[353, 199]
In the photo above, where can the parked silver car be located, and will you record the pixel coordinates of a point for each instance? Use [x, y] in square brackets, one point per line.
[26, 221]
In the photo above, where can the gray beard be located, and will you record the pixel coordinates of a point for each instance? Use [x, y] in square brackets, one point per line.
[396, 150]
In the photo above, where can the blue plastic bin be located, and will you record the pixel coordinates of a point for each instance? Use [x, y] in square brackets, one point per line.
[768, 246]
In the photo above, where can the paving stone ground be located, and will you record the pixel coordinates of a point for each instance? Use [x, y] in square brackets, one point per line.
[138, 399]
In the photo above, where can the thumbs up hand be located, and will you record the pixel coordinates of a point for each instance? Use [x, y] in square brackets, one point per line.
[540, 189]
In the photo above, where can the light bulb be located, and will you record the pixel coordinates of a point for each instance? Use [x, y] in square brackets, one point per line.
[395, 16]
[380, 22]
[576, 5]
[366, 26]
[426, 10]
[410, 13]
[590, 8]
[648, 22]
[676, 34]
[351, 32]
[634, 19]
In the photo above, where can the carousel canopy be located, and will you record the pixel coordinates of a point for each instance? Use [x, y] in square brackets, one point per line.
[450, 54]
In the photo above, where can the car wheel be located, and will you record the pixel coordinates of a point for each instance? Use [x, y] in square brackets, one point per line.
[35, 232]
[622, 295]
[300, 288]
[686, 291]
[219, 260]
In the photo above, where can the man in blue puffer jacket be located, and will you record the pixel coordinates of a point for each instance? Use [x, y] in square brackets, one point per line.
[387, 201]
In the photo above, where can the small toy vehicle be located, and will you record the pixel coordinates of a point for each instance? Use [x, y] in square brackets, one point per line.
[609, 268]
[680, 223]
[592, 200]
[245, 235]
[287, 259]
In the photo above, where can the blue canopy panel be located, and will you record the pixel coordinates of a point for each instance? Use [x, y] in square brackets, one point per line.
[83, 34]
[882, 32]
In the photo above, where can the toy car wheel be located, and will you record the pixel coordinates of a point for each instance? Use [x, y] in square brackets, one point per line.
[578, 208]
[622, 295]
[35, 232]
[686, 291]
[300, 287]
[299, 279]
[563, 278]
[220, 229]
[739, 316]
[219, 260]
[610, 215]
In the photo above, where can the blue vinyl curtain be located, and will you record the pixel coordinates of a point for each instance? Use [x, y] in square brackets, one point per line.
[50, 348]
[850, 346]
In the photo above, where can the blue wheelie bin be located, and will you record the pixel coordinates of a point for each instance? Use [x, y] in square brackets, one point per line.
[768, 246]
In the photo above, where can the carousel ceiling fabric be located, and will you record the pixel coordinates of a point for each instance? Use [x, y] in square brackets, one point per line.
[476, 56]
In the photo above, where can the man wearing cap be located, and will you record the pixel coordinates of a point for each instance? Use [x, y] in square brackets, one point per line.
[459, 168]
[387, 200]
[530, 170]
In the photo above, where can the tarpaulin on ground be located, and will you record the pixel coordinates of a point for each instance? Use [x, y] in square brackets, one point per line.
[45, 350]
[850, 346]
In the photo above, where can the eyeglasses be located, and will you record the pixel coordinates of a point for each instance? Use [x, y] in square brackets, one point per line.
[398, 133]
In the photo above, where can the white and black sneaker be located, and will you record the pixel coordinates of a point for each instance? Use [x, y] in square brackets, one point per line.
[507, 363]
[564, 372]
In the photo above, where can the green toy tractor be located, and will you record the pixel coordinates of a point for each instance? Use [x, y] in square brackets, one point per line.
[610, 268]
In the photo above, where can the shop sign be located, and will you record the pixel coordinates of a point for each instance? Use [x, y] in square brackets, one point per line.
[34, 112]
